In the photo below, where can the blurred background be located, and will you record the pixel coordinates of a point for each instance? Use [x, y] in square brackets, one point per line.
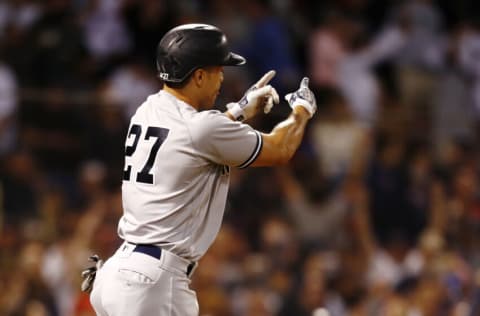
[377, 214]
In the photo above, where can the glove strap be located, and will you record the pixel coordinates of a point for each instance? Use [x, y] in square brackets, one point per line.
[295, 101]
[236, 111]
[306, 105]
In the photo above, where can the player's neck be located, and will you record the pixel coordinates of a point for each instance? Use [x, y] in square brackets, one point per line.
[183, 96]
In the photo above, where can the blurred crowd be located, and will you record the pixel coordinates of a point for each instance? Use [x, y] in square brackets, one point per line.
[377, 214]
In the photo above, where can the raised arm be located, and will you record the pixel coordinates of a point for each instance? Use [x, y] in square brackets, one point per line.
[283, 141]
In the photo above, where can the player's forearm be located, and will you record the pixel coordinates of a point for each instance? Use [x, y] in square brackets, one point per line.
[291, 131]
[287, 135]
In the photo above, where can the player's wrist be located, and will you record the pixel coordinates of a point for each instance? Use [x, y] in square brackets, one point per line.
[301, 113]
[236, 112]
[301, 110]
[303, 106]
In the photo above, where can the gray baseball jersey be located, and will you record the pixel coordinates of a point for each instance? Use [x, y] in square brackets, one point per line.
[176, 173]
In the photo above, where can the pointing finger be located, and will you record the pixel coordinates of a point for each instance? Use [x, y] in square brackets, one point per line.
[304, 83]
[265, 79]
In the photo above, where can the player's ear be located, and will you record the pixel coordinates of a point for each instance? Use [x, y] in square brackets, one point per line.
[198, 77]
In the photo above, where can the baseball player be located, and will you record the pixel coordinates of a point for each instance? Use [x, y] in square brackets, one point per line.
[178, 156]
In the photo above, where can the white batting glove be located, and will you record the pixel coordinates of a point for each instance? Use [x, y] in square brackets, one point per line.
[257, 96]
[303, 97]
[90, 273]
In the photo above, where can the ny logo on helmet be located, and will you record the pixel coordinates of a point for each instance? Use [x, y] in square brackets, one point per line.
[163, 75]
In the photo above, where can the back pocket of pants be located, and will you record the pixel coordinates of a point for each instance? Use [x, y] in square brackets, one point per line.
[135, 276]
[139, 269]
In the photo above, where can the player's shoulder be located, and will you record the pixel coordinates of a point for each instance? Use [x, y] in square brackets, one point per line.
[150, 105]
[215, 115]
[208, 120]
[212, 125]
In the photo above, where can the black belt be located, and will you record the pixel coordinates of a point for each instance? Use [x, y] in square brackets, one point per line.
[151, 250]
[156, 252]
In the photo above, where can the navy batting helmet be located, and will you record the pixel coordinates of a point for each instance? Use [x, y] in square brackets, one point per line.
[191, 46]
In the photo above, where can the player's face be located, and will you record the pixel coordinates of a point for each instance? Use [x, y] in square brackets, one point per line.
[213, 82]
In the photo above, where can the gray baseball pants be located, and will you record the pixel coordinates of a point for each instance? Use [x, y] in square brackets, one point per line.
[132, 283]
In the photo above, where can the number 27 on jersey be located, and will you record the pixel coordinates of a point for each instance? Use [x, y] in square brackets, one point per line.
[135, 132]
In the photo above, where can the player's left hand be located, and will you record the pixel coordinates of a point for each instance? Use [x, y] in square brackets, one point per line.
[259, 96]
[303, 97]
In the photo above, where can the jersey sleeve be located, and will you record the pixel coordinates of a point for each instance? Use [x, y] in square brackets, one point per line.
[224, 141]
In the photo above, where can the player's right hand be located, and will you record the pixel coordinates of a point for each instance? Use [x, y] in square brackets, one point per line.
[303, 97]
[90, 274]
[259, 96]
